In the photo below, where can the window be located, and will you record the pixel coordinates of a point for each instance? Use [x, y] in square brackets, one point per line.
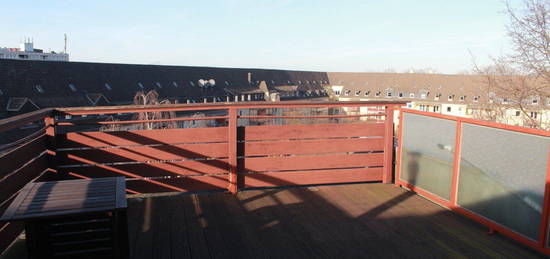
[174, 84]
[505, 101]
[535, 101]
[72, 87]
[347, 92]
[400, 95]
[357, 93]
[377, 94]
[449, 109]
[450, 98]
[226, 83]
[299, 82]
[368, 92]
[437, 97]
[39, 88]
[411, 95]
[476, 99]
[337, 92]
[517, 113]
[534, 115]
[388, 94]
[158, 85]
[140, 85]
[1, 93]
[462, 98]
[108, 87]
[191, 83]
[436, 108]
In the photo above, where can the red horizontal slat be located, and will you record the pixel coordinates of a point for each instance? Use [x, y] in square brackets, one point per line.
[312, 131]
[146, 153]
[313, 177]
[190, 167]
[141, 137]
[194, 183]
[260, 164]
[312, 146]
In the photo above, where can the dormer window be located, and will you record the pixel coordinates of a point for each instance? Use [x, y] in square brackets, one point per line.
[450, 97]
[400, 95]
[72, 87]
[377, 94]
[108, 87]
[388, 94]
[357, 93]
[476, 98]
[437, 96]
[368, 92]
[411, 95]
[462, 98]
[505, 101]
[347, 92]
[337, 92]
[534, 101]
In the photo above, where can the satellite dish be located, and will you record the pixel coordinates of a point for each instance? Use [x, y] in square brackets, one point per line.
[212, 82]
[201, 83]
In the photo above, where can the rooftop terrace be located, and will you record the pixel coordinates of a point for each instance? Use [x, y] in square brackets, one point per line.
[298, 179]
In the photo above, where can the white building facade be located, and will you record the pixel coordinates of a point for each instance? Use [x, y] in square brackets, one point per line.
[26, 51]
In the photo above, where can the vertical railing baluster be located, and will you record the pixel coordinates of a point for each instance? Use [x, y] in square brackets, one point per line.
[51, 145]
[232, 152]
[456, 163]
[543, 228]
[387, 175]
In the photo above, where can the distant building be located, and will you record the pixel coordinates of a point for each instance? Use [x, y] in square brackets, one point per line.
[26, 51]
[457, 95]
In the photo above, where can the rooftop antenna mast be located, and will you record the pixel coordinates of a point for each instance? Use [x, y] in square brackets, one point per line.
[65, 48]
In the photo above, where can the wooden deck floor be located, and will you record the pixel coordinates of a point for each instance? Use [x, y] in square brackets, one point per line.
[341, 221]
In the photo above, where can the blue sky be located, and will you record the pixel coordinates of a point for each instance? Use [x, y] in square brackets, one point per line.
[354, 36]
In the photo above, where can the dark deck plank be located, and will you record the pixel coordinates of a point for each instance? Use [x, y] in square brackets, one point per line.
[349, 221]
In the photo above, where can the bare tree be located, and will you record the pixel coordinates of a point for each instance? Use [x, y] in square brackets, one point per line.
[517, 79]
[151, 98]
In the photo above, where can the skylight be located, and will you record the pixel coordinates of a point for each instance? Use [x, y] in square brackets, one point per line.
[174, 84]
[72, 87]
[108, 87]
[39, 88]
[140, 85]
[158, 85]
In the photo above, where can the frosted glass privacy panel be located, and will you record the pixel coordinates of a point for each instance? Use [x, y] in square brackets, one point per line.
[427, 153]
[502, 176]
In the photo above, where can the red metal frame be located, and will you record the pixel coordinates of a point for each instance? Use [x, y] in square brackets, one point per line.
[388, 146]
[538, 244]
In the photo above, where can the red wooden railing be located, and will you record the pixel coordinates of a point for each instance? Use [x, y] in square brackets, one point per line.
[231, 157]
[539, 243]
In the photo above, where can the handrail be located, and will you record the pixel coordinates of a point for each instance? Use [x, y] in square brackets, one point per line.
[24, 119]
[217, 106]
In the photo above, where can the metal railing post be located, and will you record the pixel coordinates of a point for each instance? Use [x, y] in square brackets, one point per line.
[232, 152]
[387, 176]
[456, 162]
[543, 229]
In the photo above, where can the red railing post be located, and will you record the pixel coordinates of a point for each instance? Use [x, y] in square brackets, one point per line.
[456, 162]
[232, 152]
[51, 145]
[543, 229]
[399, 149]
[387, 176]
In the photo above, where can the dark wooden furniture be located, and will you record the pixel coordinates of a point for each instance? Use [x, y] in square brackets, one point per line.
[73, 218]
